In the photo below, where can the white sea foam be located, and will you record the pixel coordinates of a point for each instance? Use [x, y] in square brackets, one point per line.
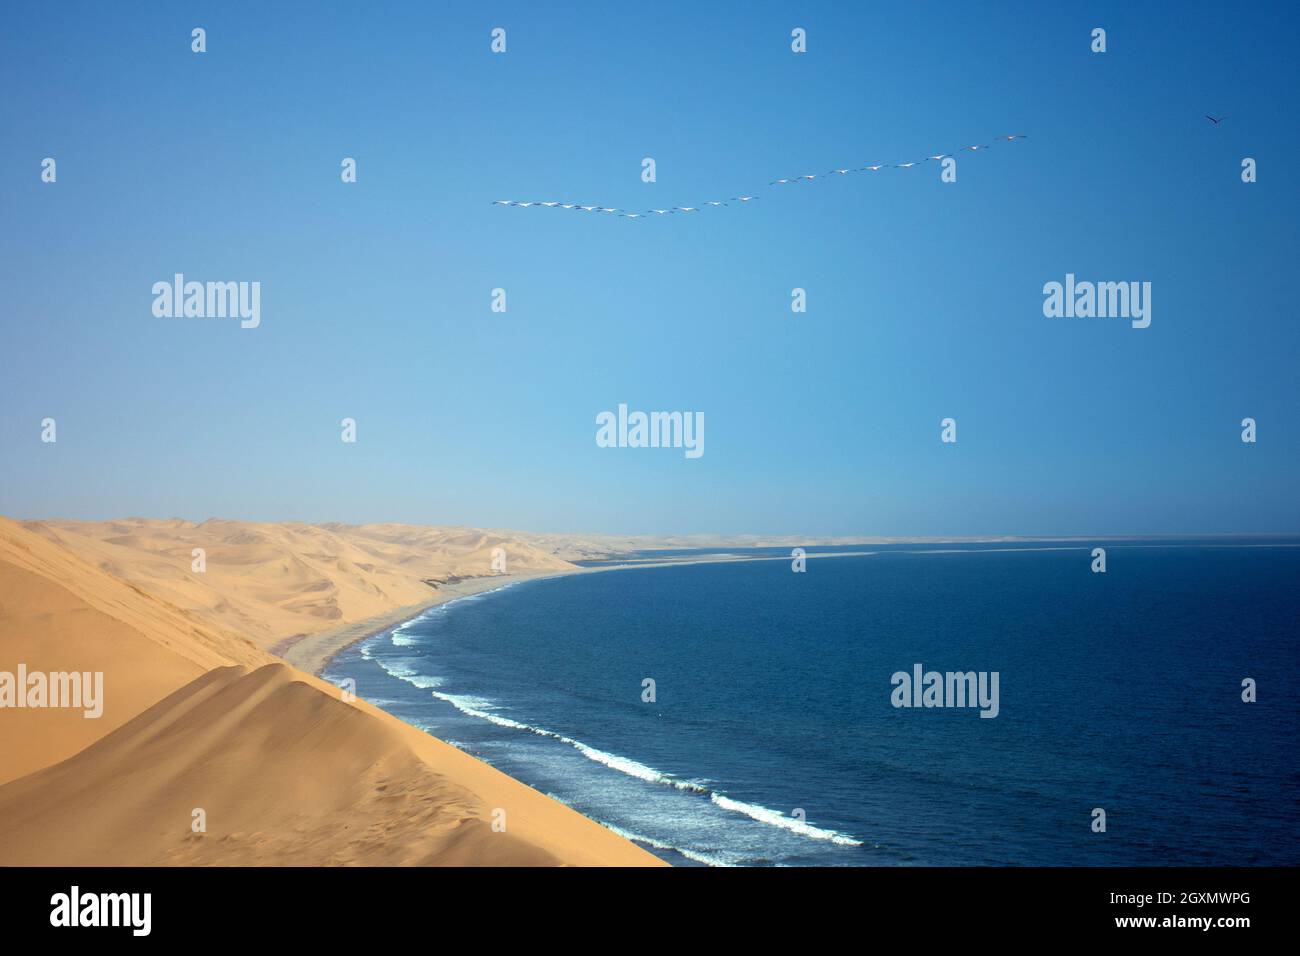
[405, 672]
[777, 819]
[482, 709]
[695, 855]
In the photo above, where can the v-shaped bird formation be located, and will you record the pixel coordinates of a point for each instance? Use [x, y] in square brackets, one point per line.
[743, 199]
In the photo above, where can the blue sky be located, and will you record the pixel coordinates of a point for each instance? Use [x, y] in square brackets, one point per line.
[924, 298]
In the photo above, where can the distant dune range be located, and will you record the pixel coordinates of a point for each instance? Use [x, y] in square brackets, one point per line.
[274, 582]
[199, 714]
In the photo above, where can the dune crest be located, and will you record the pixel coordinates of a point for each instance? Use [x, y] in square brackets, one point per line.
[272, 582]
[283, 774]
[196, 717]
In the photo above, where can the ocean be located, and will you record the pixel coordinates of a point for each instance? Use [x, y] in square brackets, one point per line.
[773, 739]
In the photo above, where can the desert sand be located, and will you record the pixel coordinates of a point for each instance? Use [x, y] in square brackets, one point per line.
[200, 716]
[273, 583]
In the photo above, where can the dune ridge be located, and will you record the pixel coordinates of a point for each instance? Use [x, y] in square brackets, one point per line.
[200, 717]
[276, 582]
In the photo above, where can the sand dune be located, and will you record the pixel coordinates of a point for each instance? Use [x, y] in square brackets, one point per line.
[58, 613]
[285, 774]
[274, 582]
[197, 716]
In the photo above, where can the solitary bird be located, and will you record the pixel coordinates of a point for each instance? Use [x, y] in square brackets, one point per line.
[1216, 122]
[1010, 138]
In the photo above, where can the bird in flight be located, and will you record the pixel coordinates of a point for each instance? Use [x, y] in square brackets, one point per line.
[784, 181]
[1216, 122]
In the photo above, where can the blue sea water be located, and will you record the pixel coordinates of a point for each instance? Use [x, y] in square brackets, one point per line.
[773, 741]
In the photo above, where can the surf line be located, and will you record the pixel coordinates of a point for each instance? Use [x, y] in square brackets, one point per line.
[640, 771]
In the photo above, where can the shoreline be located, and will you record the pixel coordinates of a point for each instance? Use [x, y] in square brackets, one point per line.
[313, 652]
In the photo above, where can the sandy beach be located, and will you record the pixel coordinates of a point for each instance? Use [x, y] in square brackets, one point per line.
[311, 652]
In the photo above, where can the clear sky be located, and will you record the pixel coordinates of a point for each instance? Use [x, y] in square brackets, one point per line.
[924, 299]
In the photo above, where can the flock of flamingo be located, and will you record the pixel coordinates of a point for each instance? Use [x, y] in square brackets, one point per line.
[715, 203]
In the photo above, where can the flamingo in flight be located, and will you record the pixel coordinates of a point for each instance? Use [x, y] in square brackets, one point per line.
[1216, 122]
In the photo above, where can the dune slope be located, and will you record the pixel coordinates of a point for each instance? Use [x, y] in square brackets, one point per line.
[59, 613]
[284, 773]
[273, 582]
[284, 770]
